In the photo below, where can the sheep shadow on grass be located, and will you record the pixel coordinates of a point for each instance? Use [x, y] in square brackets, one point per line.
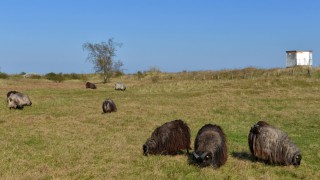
[191, 160]
[249, 157]
[243, 156]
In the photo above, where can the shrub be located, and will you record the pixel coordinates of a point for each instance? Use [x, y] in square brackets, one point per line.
[84, 77]
[55, 77]
[72, 76]
[155, 78]
[118, 74]
[3, 75]
[35, 76]
[154, 70]
[140, 75]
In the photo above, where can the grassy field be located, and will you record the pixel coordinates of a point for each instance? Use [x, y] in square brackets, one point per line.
[65, 136]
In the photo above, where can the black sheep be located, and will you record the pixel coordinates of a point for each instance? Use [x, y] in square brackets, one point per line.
[168, 139]
[91, 85]
[109, 106]
[210, 148]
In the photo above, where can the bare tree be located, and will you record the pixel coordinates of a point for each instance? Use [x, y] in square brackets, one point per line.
[101, 55]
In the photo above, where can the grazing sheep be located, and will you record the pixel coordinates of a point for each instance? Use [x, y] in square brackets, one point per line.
[109, 106]
[210, 147]
[90, 85]
[168, 139]
[120, 86]
[17, 100]
[273, 146]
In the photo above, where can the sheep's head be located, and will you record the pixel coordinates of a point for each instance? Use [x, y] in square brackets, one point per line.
[27, 101]
[149, 147]
[296, 159]
[203, 159]
[11, 103]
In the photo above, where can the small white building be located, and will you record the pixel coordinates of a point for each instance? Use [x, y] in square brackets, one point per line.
[299, 58]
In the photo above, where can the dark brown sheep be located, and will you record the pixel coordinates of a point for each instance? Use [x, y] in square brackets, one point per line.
[272, 146]
[109, 106]
[168, 139]
[210, 147]
[90, 85]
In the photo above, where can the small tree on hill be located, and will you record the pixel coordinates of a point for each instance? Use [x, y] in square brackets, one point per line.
[101, 55]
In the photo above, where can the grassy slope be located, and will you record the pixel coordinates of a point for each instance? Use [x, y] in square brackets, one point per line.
[64, 135]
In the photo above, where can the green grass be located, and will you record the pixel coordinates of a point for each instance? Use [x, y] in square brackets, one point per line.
[65, 136]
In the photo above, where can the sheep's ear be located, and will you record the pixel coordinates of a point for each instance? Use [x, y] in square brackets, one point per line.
[195, 155]
[204, 155]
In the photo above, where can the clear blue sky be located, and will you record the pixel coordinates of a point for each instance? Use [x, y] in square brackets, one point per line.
[43, 36]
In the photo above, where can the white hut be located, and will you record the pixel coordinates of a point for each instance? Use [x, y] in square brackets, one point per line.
[299, 58]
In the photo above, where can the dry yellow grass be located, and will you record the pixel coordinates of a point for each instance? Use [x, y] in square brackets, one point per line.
[65, 136]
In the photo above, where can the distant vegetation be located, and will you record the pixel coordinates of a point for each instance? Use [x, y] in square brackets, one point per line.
[156, 75]
[3, 75]
[140, 75]
[32, 76]
[55, 77]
